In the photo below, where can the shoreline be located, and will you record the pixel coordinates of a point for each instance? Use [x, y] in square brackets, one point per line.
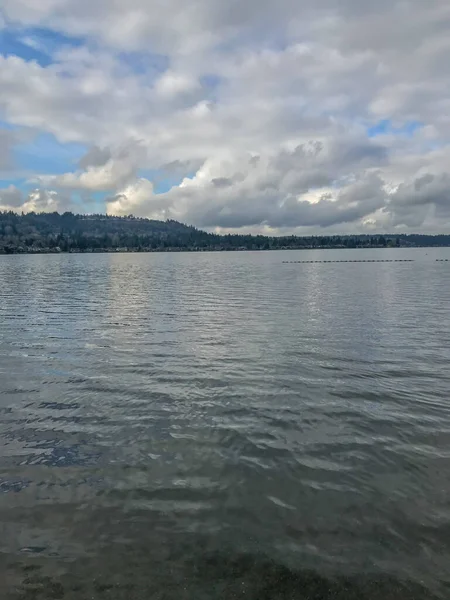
[203, 250]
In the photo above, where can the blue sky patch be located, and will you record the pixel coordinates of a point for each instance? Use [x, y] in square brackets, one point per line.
[385, 127]
[9, 126]
[16, 182]
[34, 43]
[163, 181]
[45, 155]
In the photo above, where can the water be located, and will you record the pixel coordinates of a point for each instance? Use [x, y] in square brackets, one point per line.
[225, 425]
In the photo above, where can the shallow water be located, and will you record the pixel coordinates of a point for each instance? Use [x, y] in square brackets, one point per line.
[225, 425]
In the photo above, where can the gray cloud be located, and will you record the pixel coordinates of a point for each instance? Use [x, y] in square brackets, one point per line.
[352, 203]
[95, 157]
[222, 182]
[426, 197]
[272, 192]
[426, 189]
[11, 197]
[102, 169]
[7, 141]
[38, 200]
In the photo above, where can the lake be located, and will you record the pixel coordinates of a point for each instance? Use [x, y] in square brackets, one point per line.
[225, 425]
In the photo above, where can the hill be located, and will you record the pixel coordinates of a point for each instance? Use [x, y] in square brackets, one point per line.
[67, 232]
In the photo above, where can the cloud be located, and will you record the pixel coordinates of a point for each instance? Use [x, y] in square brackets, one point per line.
[10, 198]
[42, 201]
[103, 169]
[95, 157]
[138, 199]
[425, 198]
[7, 141]
[38, 200]
[171, 85]
[255, 114]
[271, 191]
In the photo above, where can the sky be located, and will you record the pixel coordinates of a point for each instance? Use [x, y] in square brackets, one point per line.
[263, 116]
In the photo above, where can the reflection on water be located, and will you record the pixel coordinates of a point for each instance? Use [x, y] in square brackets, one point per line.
[224, 426]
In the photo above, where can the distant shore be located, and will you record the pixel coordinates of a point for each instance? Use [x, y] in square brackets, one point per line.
[191, 250]
[54, 233]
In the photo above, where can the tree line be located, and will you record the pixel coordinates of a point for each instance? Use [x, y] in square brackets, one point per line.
[68, 232]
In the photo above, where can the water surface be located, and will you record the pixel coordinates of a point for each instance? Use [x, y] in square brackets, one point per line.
[225, 425]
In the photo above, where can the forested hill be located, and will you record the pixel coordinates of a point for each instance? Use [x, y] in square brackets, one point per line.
[52, 232]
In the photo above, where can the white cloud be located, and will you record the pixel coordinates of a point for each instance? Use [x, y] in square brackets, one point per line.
[11, 198]
[41, 201]
[263, 104]
[104, 169]
[171, 84]
[271, 191]
[138, 199]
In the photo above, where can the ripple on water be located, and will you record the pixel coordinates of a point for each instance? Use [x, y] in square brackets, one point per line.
[224, 425]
